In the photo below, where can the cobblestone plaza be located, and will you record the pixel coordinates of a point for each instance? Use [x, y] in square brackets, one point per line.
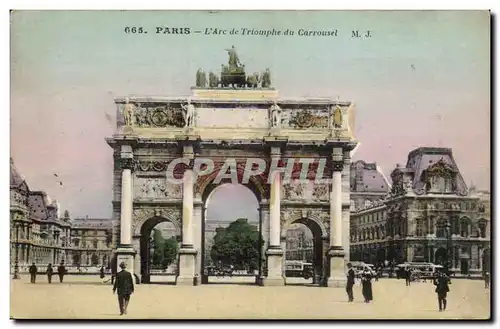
[84, 297]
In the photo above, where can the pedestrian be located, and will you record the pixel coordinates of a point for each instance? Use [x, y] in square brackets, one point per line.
[350, 282]
[113, 274]
[407, 273]
[33, 269]
[102, 273]
[61, 270]
[50, 272]
[441, 282]
[124, 285]
[486, 280]
[366, 282]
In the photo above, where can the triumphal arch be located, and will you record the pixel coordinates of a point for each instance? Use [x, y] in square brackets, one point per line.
[292, 153]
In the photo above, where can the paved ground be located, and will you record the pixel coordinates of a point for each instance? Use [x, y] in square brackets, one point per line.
[85, 297]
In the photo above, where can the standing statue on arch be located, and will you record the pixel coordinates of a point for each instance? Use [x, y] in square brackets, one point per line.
[127, 112]
[234, 60]
[188, 113]
[275, 115]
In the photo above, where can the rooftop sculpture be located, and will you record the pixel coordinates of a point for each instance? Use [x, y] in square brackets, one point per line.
[233, 75]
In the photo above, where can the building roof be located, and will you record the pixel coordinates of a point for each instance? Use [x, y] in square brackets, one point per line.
[37, 203]
[367, 177]
[424, 157]
[91, 223]
[16, 179]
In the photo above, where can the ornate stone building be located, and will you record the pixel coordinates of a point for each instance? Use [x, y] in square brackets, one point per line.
[368, 184]
[299, 244]
[241, 122]
[39, 234]
[428, 216]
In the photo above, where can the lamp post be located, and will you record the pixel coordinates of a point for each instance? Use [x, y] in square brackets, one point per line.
[16, 264]
[449, 249]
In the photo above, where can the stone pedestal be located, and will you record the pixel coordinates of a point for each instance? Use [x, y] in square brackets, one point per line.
[337, 278]
[187, 266]
[274, 268]
[126, 254]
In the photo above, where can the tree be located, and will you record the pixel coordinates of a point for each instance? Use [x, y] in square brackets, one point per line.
[158, 245]
[237, 245]
[170, 250]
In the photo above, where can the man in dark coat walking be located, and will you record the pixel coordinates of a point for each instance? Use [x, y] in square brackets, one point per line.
[350, 282]
[124, 284]
[50, 272]
[33, 270]
[441, 282]
[61, 270]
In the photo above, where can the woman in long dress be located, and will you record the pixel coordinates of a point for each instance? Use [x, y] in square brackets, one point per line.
[366, 282]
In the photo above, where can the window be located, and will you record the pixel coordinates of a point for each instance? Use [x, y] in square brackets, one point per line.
[420, 227]
[431, 225]
[464, 227]
[482, 229]
[95, 244]
[441, 228]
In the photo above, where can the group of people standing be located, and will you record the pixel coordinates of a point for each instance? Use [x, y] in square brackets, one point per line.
[61, 271]
[440, 280]
[366, 282]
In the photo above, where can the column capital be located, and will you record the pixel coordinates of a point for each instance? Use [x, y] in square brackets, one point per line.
[127, 163]
[337, 165]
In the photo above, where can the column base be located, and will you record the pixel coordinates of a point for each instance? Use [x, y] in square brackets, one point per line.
[125, 254]
[274, 268]
[337, 278]
[187, 263]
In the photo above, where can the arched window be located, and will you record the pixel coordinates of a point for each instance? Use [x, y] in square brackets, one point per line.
[464, 227]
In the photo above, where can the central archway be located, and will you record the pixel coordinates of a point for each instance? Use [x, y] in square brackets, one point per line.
[313, 263]
[165, 274]
[224, 204]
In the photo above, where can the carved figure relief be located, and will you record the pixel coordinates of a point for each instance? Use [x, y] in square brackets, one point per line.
[141, 118]
[162, 117]
[320, 192]
[294, 191]
[157, 188]
[305, 119]
[337, 117]
[440, 177]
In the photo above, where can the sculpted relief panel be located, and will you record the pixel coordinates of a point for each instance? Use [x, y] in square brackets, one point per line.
[156, 188]
[152, 115]
[296, 190]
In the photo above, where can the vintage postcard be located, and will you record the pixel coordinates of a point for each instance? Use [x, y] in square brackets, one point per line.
[250, 165]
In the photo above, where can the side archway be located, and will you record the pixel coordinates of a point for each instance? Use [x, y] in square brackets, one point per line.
[142, 233]
[320, 241]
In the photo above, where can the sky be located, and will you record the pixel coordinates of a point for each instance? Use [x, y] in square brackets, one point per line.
[421, 79]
